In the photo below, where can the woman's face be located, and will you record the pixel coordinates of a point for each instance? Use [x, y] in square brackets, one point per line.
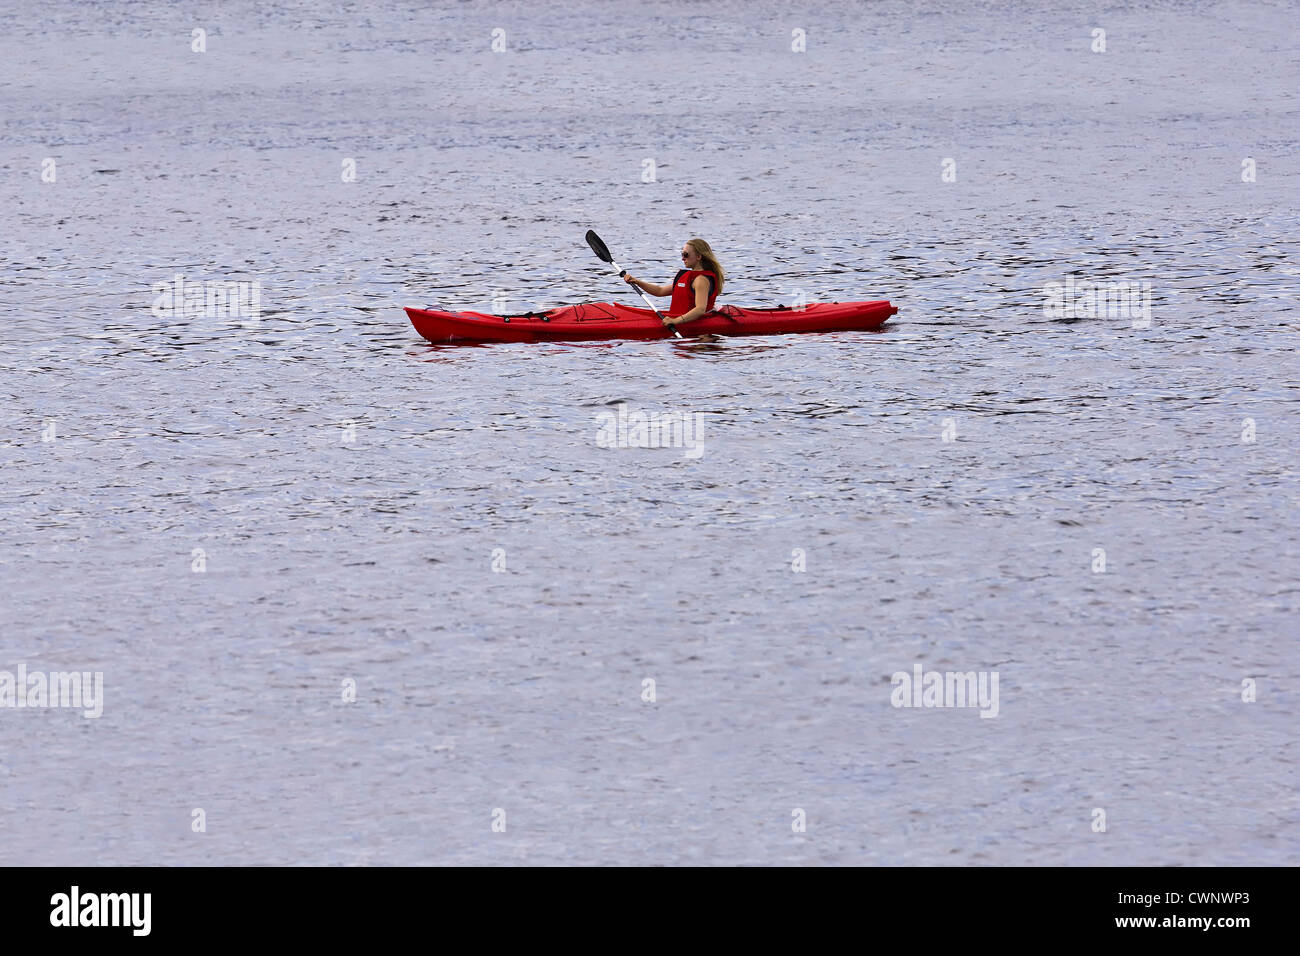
[690, 258]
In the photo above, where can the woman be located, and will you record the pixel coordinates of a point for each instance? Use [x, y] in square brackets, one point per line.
[693, 289]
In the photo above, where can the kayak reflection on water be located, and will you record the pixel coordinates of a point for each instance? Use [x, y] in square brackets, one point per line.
[693, 289]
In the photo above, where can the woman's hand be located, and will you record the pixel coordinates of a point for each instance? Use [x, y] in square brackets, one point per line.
[629, 278]
[670, 322]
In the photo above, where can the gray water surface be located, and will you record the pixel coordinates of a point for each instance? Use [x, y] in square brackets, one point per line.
[350, 486]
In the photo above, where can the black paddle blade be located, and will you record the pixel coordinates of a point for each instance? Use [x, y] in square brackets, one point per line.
[598, 247]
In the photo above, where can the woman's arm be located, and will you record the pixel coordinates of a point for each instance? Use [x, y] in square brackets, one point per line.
[701, 287]
[649, 287]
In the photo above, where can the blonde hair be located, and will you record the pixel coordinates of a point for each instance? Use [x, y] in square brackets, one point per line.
[709, 260]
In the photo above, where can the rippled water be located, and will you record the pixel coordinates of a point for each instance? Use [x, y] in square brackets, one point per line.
[350, 486]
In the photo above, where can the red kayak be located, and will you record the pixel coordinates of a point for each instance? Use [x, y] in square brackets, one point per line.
[605, 320]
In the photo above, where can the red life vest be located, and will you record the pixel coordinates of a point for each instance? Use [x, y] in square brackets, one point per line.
[683, 293]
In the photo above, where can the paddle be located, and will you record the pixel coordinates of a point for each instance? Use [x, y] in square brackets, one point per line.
[602, 253]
